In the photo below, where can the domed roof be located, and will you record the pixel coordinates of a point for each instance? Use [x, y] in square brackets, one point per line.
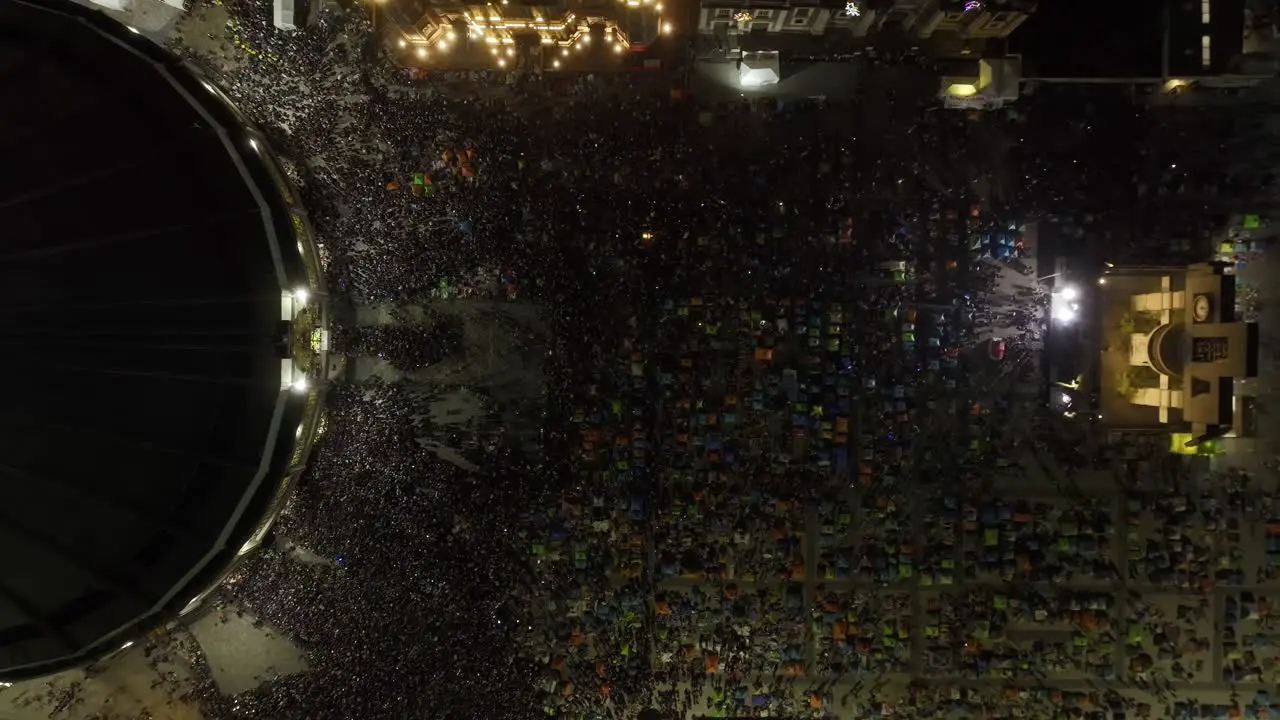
[1167, 349]
[146, 244]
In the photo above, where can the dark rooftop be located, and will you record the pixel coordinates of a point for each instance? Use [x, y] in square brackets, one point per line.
[147, 240]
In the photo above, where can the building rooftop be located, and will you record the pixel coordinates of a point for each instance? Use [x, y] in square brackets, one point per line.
[149, 239]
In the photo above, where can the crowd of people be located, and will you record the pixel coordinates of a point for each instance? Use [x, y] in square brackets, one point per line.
[770, 338]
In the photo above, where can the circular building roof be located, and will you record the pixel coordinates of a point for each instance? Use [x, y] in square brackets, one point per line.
[146, 241]
[1167, 349]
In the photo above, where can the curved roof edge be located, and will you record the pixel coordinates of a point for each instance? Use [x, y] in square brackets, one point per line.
[298, 405]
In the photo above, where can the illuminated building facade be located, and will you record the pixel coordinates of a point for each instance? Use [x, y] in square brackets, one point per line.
[529, 36]
[166, 292]
[942, 27]
[1173, 349]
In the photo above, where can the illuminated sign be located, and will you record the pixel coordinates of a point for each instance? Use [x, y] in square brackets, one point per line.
[1210, 349]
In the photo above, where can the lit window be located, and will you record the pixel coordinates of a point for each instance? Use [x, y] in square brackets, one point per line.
[1205, 16]
[763, 15]
[1206, 51]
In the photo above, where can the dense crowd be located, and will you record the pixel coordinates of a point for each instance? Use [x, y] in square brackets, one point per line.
[759, 324]
[432, 607]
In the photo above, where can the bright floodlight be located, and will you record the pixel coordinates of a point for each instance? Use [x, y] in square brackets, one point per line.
[1066, 399]
[300, 385]
[302, 295]
[1064, 315]
[1070, 292]
[851, 9]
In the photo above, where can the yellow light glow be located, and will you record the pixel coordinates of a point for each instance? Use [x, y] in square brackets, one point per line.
[443, 44]
[494, 18]
[962, 90]
[508, 41]
[577, 47]
[565, 52]
[491, 40]
[619, 48]
[547, 40]
[402, 42]
[494, 50]
[658, 7]
[586, 39]
[555, 64]
[511, 52]
[666, 28]
[452, 35]
[502, 63]
[422, 52]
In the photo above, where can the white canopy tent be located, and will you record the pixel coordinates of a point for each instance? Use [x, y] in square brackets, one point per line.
[284, 14]
[759, 69]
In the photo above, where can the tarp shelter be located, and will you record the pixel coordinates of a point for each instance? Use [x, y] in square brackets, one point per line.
[759, 69]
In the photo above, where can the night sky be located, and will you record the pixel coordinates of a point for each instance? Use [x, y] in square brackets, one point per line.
[1091, 38]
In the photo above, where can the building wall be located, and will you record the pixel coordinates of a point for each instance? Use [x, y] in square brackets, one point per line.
[1205, 36]
[776, 18]
[993, 20]
[922, 19]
